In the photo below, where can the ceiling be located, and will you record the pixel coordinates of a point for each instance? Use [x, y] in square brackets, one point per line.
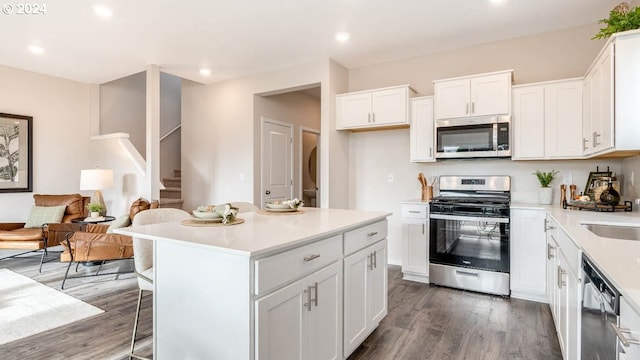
[239, 37]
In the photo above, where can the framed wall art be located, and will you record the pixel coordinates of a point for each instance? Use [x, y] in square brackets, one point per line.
[16, 153]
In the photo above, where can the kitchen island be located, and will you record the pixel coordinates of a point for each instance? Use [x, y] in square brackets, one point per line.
[273, 287]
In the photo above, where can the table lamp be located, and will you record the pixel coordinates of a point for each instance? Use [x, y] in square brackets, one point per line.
[96, 179]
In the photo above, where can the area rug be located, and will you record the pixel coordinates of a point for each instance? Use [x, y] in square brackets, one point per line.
[28, 307]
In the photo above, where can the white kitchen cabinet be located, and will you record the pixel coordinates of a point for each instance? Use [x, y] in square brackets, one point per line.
[547, 120]
[388, 107]
[415, 242]
[302, 320]
[611, 92]
[630, 330]
[564, 288]
[365, 293]
[598, 131]
[422, 129]
[528, 255]
[478, 95]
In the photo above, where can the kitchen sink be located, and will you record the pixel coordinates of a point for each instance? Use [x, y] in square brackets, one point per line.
[622, 231]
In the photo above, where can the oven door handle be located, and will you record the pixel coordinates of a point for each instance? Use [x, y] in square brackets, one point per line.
[499, 220]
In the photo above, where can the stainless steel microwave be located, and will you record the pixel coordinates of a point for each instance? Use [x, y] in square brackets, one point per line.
[473, 137]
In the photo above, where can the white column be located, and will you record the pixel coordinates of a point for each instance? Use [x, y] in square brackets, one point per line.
[153, 133]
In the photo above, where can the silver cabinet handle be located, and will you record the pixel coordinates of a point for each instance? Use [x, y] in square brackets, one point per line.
[375, 259]
[561, 282]
[430, 151]
[315, 299]
[595, 138]
[623, 339]
[473, 107]
[584, 144]
[373, 233]
[373, 117]
[369, 117]
[423, 228]
[414, 211]
[545, 224]
[549, 249]
[308, 303]
[370, 261]
[311, 257]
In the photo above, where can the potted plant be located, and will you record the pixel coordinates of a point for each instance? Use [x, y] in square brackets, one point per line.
[94, 209]
[545, 193]
[621, 18]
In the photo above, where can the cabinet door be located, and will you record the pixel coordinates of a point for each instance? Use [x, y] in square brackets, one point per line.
[528, 123]
[356, 273]
[574, 315]
[552, 267]
[586, 115]
[604, 133]
[528, 254]
[452, 99]
[629, 321]
[353, 110]
[563, 119]
[324, 336]
[390, 107]
[414, 255]
[421, 131]
[562, 326]
[377, 285]
[280, 322]
[491, 95]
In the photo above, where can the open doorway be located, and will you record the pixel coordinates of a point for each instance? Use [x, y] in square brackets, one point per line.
[310, 167]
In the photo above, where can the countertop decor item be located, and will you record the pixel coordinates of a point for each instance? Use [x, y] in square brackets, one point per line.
[610, 196]
[545, 193]
[621, 18]
[427, 187]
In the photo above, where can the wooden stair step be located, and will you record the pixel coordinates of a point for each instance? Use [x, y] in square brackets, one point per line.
[175, 182]
[177, 173]
[173, 193]
[171, 203]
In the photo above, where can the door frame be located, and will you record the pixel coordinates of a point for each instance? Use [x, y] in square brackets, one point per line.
[301, 131]
[263, 120]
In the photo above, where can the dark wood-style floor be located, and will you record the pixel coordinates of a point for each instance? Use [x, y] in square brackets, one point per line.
[424, 322]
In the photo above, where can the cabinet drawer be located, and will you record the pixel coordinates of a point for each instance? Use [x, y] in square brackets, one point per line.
[414, 211]
[273, 271]
[359, 238]
[570, 251]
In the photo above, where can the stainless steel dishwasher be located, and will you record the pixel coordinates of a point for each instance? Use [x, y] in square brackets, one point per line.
[600, 309]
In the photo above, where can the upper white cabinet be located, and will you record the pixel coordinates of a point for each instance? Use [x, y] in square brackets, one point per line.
[547, 120]
[422, 129]
[611, 92]
[528, 255]
[388, 107]
[478, 95]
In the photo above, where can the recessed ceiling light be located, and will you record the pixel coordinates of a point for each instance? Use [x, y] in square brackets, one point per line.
[205, 72]
[342, 36]
[36, 49]
[102, 11]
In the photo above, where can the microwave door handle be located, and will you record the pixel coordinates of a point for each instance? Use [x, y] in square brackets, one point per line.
[495, 138]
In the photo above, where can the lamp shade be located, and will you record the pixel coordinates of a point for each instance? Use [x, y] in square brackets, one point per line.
[96, 179]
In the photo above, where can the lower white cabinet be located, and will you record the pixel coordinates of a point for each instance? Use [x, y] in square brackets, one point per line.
[302, 320]
[528, 253]
[415, 242]
[630, 330]
[365, 293]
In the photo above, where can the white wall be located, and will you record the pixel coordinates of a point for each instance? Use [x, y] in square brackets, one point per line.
[631, 170]
[62, 117]
[219, 122]
[170, 110]
[373, 155]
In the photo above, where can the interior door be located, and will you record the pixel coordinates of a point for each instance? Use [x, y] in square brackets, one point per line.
[277, 164]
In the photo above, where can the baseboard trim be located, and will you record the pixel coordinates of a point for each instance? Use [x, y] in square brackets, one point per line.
[422, 278]
[530, 296]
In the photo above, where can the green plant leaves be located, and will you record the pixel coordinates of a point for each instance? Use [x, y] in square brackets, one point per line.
[618, 22]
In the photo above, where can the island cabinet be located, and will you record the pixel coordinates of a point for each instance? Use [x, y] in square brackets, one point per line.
[563, 270]
[528, 253]
[271, 288]
[477, 95]
[373, 109]
[629, 332]
[547, 120]
[365, 284]
[611, 92]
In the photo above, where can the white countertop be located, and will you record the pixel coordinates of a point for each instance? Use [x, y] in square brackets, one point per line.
[260, 234]
[619, 260]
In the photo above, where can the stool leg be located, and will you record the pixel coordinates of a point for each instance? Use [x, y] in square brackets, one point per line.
[135, 325]
[65, 275]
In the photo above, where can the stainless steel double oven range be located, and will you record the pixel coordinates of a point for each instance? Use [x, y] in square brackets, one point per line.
[469, 234]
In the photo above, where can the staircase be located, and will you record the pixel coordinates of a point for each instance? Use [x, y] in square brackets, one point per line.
[171, 196]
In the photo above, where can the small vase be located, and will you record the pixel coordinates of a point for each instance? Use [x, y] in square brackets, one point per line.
[610, 196]
[545, 195]
[95, 214]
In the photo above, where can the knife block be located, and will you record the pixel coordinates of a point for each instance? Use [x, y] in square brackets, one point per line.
[427, 193]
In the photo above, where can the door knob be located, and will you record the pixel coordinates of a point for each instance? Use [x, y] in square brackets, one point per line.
[267, 192]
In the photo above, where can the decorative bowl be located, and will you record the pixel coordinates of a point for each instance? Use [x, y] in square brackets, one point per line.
[277, 204]
[206, 214]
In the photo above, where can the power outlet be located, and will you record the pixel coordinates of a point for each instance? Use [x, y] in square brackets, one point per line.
[567, 179]
[631, 180]
[390, 177]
